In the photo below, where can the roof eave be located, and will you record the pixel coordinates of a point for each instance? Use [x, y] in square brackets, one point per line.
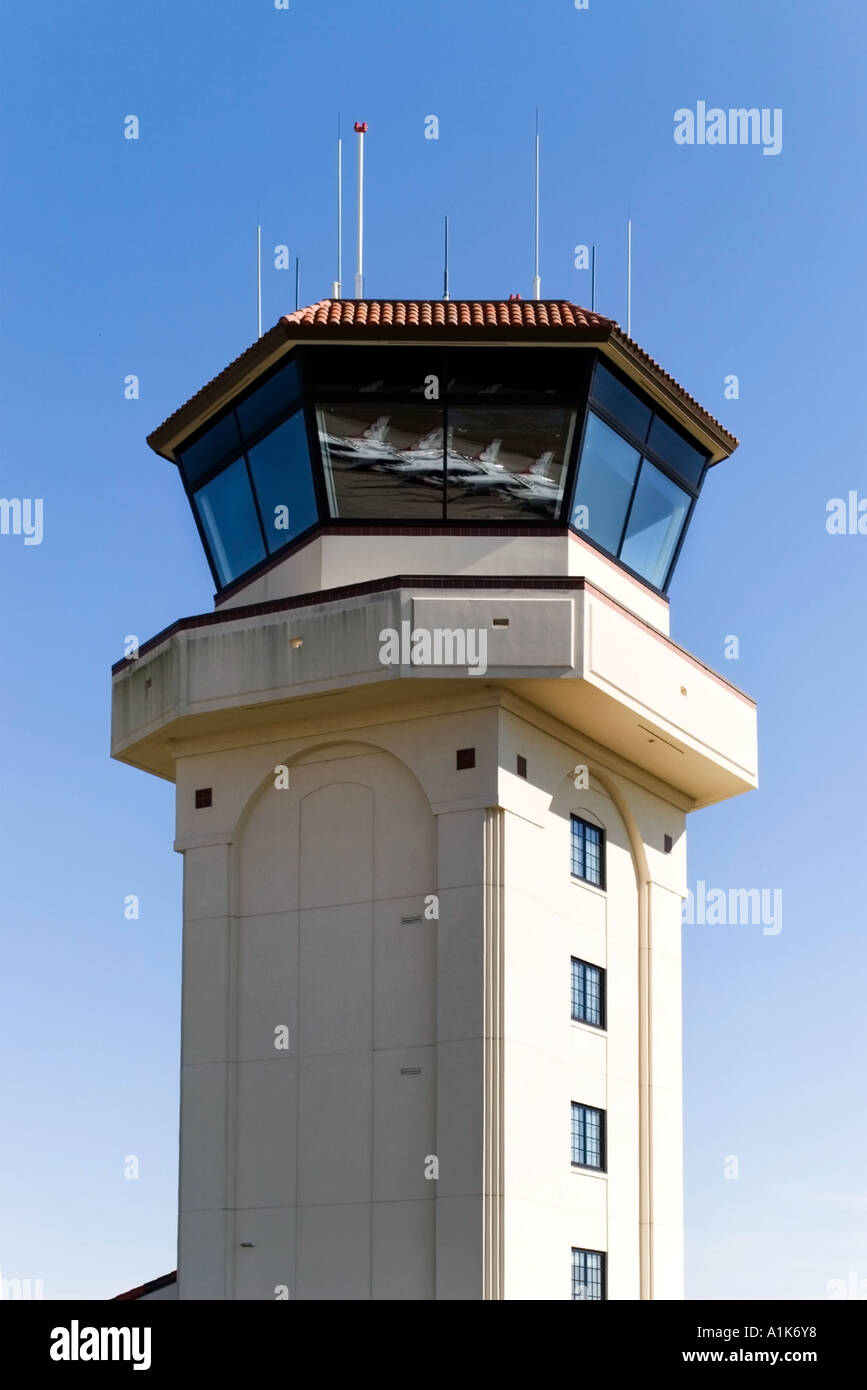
[286, 335]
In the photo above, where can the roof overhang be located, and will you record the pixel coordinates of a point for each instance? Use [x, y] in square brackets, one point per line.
[549, 325]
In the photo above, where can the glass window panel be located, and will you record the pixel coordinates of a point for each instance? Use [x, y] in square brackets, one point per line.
[491, 375]
[587, 1270]
[684, 458]
[605, 478]
[507, 464]
[397, 374]
[280, 465]
[270, 401]
[587, 852]
[655, 523]
[382, 462]
[588, 1002]
[228, 516]
[220, 441]
[623, 404]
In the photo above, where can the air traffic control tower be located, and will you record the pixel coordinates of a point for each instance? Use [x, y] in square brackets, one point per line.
[434, 752]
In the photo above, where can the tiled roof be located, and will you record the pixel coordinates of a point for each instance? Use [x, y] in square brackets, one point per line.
[439, 313]
[351, 319]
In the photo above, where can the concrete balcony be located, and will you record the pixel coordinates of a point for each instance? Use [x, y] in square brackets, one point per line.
[571, 651]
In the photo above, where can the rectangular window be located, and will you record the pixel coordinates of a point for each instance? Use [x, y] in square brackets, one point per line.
[216, 446]
[588, 1137]
[656, 519]
[383, 462]
[588, 852]
[272, 400]
[228, 515]
[506, 464]
[588, 993]
[588, 1275]
[677, 452]
[608, 470]
[280, 467]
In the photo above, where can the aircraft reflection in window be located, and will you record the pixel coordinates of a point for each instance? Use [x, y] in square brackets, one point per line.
[423, 460]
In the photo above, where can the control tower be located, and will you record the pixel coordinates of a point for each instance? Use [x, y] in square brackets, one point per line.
[434, 751]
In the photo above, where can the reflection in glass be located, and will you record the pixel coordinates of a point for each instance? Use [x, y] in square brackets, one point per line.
[605, 478]
[382, 462]
[220, 441]
[622, 403]
[280, 466]
[675, 451]
[270, 401]
[228, 516]
[655, 523]
[507, 464]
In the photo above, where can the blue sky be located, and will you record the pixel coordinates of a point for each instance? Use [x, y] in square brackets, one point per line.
[124, 257]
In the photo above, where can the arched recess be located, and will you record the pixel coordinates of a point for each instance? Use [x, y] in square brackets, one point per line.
[329, 939]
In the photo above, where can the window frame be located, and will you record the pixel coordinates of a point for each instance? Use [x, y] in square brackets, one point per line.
[602, 1025]
[602, 1165]
[299, 403]
[603, 1274]
[602, 885]
[646, 451]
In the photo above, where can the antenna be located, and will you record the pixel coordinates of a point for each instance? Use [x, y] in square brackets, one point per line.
[297, 278]
[259, 273]
[593, 279]
[446, 261]
[537, 283]
[337, 287]
[361, 131]
[629, 277]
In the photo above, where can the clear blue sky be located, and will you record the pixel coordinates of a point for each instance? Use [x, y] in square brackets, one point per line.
[126, 257]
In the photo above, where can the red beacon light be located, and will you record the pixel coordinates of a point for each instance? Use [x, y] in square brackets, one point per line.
[361, 127]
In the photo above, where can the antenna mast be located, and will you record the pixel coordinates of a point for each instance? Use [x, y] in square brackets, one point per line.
[337, 287]
[629, 277]
[537, 283]
[593, 279]
[361, 131]
[446, 261]
[259, 274]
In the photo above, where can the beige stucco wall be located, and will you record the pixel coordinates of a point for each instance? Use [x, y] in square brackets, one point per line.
[331, 561]
[293, 908]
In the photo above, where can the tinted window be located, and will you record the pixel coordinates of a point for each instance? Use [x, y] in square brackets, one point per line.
[622, 403]
[382, 462]
[674, 450]
[508, 374]
[220, 441]
[507, 465]
[605, 478]
[280, 466]
[270, 401]
[373, 373]
[655, 523]
[228, 516]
